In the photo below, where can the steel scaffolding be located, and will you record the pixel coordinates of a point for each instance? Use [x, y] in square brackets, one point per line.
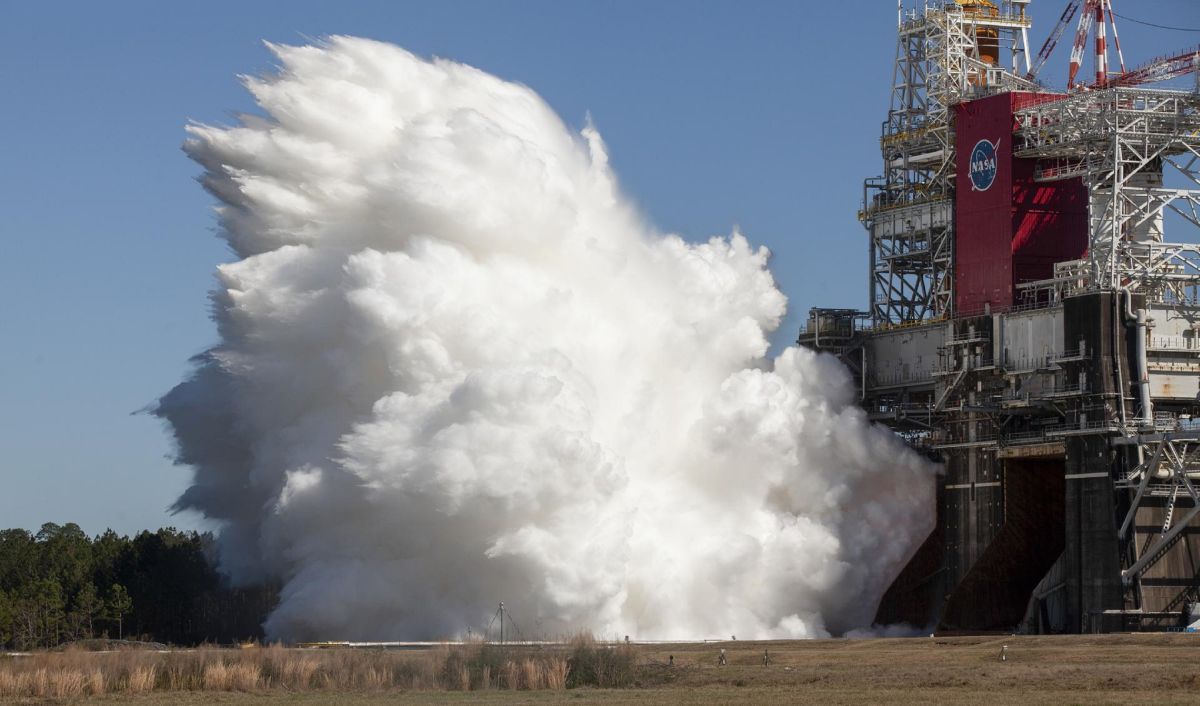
[945, 54]
[1125, 143]
[1084, 385]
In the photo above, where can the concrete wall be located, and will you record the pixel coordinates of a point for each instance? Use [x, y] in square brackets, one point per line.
[994, 594]
[904, 356]
[1031, 337]
[1091, 559]
[1173, 341]
[972, 508]
[1007, 515]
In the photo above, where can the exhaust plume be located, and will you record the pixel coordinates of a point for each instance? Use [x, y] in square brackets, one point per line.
[456, 368]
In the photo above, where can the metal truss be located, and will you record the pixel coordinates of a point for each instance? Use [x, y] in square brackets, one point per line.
[1128, 145]
[909, 211]
[1123, 142]
[1171, 462]
[1137, 152]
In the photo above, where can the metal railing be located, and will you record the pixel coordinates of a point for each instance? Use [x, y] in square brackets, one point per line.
[1173, 343]
[900, 378]
[1028, 364]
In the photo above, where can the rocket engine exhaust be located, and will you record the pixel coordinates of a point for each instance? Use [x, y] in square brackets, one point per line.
[455, 367]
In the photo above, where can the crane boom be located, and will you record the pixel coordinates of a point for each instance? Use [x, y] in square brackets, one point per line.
[1081, 35]
[1161, 69]
[1052, 41]
[1116, 37]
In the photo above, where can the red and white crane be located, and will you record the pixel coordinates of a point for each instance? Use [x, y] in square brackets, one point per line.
[1160, 69]
[1052, 41]
[1099, 13]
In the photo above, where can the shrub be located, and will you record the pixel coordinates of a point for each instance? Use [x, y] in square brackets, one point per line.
[594, 664]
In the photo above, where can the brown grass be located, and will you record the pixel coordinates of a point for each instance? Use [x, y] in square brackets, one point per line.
[74, 674]
[141, 679]
[95, 682]
[235, 676]
[1126, 669]
[67, 683]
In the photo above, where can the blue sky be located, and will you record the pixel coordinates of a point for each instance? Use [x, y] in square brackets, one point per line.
[761, 115]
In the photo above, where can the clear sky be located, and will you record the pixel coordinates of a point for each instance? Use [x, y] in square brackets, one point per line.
[762, 115]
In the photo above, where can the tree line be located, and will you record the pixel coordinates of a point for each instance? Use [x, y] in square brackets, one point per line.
[59, 585]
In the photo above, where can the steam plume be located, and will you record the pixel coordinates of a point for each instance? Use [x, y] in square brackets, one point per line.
[456, 368]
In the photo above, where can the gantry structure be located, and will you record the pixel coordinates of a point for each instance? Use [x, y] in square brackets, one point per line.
[1138, 152]
[1066, 408]
[945, 54]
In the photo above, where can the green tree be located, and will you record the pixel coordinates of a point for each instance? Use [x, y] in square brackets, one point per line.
[48, 597]
[59, 584]
[66, 556]
[18, 560]
[118, 606]
[38, 614]
[169, 579]
[5, 620]
[87, 607]
[106, 555]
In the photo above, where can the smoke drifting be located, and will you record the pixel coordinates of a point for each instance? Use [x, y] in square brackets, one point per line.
[457, 368]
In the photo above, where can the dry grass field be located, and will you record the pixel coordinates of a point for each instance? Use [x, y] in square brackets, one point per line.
[1126, 669]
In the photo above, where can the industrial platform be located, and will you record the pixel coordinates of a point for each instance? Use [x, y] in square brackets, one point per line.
[1031, 327]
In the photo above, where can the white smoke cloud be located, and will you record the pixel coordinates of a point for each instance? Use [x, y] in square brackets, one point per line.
[457, 368]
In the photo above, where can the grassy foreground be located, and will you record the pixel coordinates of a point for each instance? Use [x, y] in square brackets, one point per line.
[1137, 669]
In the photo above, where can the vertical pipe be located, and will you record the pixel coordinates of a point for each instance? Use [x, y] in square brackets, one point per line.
[864, 371]
[875, 322]
[1117, 359]
[1101, 46]
[1138, 319]
[1143, 368]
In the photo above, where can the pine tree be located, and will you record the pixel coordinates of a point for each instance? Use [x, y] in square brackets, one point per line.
[87, 608]
[5, 619]
[118, 606]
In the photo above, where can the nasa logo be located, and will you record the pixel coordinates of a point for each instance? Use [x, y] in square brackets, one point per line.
[983, 165]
